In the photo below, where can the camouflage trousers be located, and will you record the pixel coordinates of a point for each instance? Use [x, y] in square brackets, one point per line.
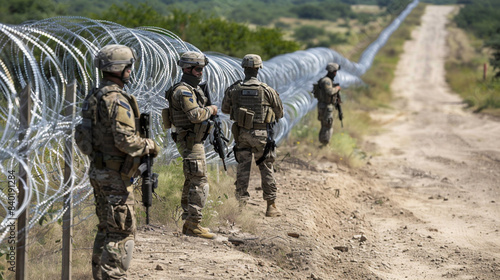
[325, 116]
[251, 143]
[195, 189]
[114, 242]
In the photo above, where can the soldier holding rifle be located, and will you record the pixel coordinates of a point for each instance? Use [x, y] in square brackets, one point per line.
[188, 116]
[328, 94]
[109, 136]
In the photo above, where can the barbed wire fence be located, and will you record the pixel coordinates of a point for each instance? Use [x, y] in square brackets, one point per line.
[45, 57]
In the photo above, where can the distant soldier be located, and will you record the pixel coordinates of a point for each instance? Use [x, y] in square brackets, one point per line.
[188, 114]
[254, 107]
[328, 94]
[115, 148]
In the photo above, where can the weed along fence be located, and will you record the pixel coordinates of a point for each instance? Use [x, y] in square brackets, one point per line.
[46, 70]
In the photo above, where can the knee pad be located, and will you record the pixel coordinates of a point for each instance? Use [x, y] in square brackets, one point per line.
[127, 254]
[198, 194]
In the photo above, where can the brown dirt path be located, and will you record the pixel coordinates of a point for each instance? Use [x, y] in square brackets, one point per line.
[426, 207]
[441, 164]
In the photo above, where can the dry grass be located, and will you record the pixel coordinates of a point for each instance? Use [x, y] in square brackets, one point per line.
[368, 9]
[465, 71]
[45, 249]
[358, 35]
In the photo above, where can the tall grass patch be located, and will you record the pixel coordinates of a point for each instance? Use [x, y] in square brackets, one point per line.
[44, 252]
[221, 208]
[166, 208]
[465, 72]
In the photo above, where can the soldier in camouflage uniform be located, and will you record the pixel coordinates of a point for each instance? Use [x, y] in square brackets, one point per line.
[327, 96]
[253, 106]
[188, 115]
[116, 151]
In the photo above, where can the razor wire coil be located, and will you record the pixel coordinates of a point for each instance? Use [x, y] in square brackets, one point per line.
[51, 54]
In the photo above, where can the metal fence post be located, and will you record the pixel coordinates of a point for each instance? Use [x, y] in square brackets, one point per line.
[67, 226]
[22, 220]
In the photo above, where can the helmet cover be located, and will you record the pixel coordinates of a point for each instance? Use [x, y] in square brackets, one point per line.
[114, 58]
[251, 61]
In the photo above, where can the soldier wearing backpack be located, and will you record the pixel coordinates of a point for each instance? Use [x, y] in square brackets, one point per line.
[254, 107]
[328, 95]
[109, 136]
[188, 116]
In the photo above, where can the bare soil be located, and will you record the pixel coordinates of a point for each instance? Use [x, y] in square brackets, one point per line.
[426, 205]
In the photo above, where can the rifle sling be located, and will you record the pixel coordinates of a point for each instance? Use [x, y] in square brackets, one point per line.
[267, 149]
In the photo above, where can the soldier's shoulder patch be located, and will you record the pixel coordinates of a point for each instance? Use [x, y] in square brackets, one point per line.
[187, 93]
[124, 114]
[124, 104]
[188, 97]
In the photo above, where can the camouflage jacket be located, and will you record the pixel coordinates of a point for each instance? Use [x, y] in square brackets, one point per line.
[116, 124]
[328, 91]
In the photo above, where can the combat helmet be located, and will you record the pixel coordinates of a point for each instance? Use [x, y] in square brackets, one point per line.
[251, 61]
[191, 59]
[330, 67]
[114, 58]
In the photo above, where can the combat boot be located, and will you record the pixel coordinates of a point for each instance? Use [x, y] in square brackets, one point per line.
[194, 229]
[272, 210]
[185, 228]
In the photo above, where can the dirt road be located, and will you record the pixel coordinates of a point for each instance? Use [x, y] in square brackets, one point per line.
[426, 206]
[442, 164]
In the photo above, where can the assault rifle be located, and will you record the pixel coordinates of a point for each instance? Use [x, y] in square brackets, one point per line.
[270, 143]
[219, 140]
[149, 179]
[337, 103]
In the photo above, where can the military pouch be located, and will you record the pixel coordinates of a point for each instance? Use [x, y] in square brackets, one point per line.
[121, 218]
[241, 116]
[196, 167]
[245, 118]
[249, 119]
[129, 166]
[260, 133]
[165, 115]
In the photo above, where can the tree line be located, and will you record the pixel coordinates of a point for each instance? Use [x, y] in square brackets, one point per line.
[212, 25]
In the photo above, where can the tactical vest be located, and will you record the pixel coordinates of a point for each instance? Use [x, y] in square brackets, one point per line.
[94, 133]
[250, 107]
[176, 116]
